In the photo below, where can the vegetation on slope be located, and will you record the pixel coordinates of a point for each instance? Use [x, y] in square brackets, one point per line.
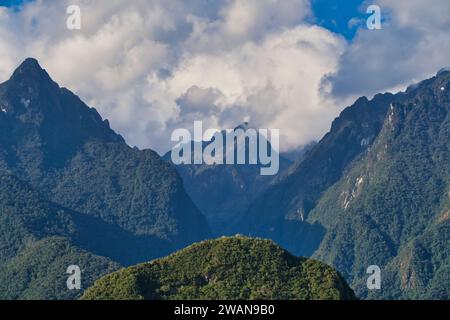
[226, 268]
[39, 271]
[384, 211]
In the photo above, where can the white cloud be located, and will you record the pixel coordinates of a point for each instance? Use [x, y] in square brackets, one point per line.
[274, 83]
[251, 19]
[150, 66]
[412, 45]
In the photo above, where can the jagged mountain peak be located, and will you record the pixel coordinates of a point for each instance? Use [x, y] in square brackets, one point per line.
[53, 114]
[30, 70]
[31, 64]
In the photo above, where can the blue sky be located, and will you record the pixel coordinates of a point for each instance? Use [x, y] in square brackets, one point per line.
[331, 14]
[8, 3]
[335, 15]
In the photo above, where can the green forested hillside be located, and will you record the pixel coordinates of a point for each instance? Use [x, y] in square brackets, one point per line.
[422, 268]
[36, 241]
[226, 268]
[391, 206]
[39, 271]
[26, 217]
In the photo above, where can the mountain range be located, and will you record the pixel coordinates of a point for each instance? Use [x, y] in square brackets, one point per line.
[230, 188]
[375, 190]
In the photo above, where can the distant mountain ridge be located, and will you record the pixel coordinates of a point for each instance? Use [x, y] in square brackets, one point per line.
[229, 188]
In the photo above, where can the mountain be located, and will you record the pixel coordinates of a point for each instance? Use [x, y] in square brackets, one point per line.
[391, 207]
[373, 191]
[76, 181]
[226, 268]
[230, 188]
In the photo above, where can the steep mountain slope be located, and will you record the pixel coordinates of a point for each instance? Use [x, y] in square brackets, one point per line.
[37, 245]
[422, 268]
[391, 206]
[226, 268]
[229, 188]
[64, 149]
[60, 146]
[281, 212]
[39, 271]
[64, 173]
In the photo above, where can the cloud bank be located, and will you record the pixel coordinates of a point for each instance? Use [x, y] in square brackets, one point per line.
[153, 66]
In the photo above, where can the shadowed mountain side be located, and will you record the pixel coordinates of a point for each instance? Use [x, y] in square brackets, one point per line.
[223, 192]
